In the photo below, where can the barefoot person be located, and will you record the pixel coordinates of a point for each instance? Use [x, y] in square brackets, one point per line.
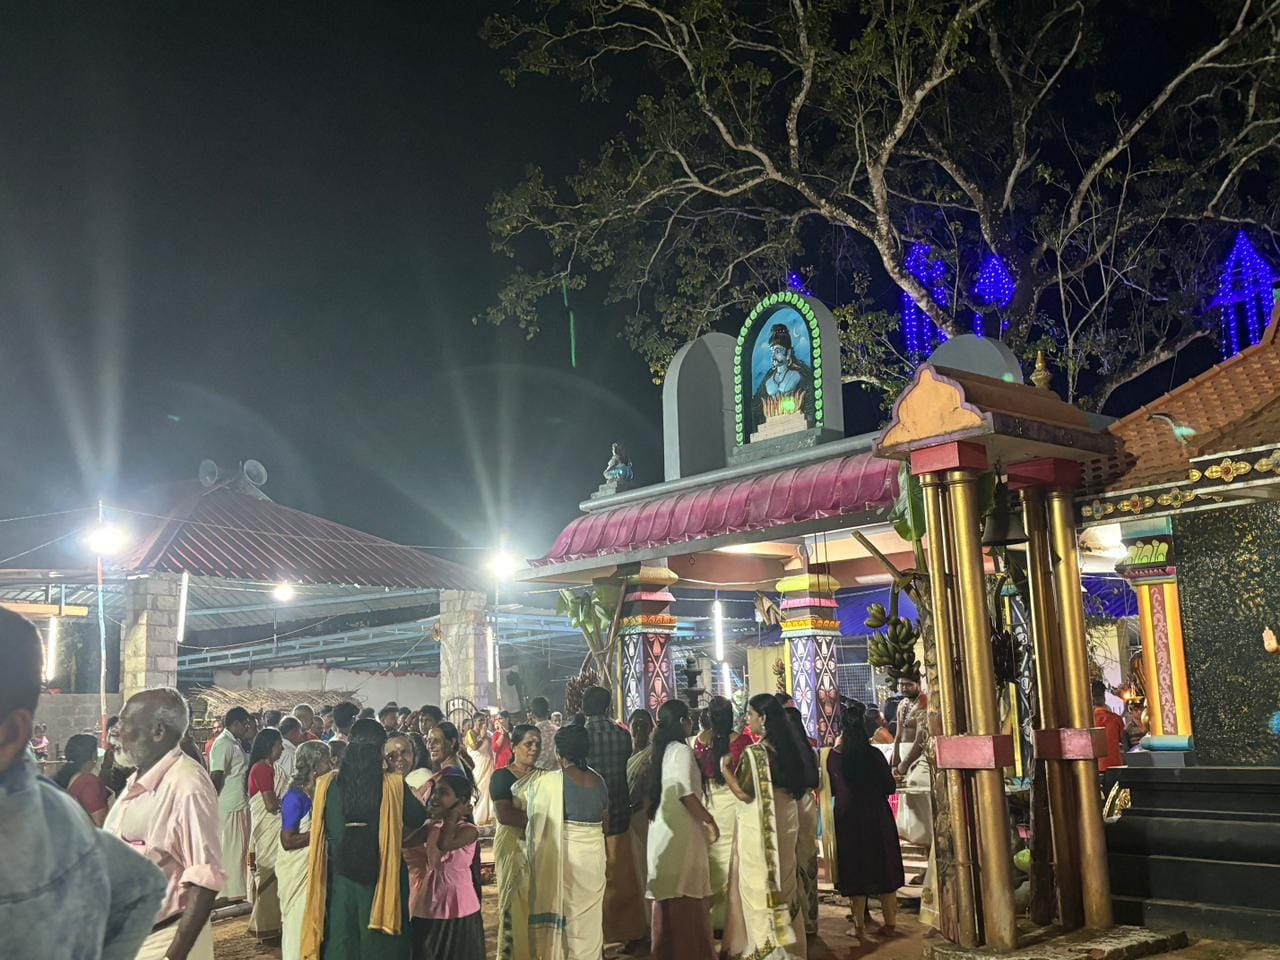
[868, 854]
[229, 766]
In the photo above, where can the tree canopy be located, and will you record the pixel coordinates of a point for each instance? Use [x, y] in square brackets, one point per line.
[1105, 152]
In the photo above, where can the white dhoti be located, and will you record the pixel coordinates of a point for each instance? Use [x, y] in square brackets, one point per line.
[233, 836]
[156, 946]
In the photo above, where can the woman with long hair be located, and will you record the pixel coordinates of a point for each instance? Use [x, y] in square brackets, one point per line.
[760, 922]
[444, 750]
[445, 911]
[264, 833]
[479, 748]
[868, 854]
[807, 827]
[680, 833]
[720, 801]
[510, 865]
[310, 761]
[567, 811]
[640, 726]
[78, 776]
[361, 816]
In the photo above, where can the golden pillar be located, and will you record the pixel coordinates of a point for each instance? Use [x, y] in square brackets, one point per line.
[992, 815]
[1078, 708]
[944, 650]
[1058, 776]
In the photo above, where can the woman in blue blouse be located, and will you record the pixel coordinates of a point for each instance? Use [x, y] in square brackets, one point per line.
[311, 761]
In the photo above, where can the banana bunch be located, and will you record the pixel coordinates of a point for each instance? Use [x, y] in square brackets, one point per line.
[893, 649]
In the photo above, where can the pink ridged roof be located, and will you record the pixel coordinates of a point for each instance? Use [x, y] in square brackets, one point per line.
[843, 485]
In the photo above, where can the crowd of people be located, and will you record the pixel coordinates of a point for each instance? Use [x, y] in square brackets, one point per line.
[356, 835]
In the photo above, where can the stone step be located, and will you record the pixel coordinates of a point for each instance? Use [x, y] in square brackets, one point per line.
[1205, 920]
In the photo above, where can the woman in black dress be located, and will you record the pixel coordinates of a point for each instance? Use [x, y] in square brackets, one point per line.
[866, 837]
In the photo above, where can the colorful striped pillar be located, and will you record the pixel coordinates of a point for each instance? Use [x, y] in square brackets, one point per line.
[646, 673]
[809, 633]
[1150, 568]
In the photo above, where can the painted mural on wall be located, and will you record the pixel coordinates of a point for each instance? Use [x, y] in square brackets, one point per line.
[782, 369]
[779, 369]
[1229, 580]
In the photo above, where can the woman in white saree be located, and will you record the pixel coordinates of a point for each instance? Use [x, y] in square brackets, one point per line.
[311, 761]
[511, 866]
[764, 921]
[264, 833]
[566, 855]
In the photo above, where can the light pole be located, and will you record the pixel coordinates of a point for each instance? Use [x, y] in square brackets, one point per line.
[104, 540]
[501, 566]
[283, 593]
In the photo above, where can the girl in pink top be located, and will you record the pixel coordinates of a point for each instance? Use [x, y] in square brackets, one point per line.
[443, 906]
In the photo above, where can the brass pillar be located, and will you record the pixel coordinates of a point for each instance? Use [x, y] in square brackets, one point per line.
[1058, 777]
[992, 814]
[948, 704]
[1078, 708]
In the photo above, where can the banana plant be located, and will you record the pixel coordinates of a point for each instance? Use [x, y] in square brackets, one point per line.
[592, 612]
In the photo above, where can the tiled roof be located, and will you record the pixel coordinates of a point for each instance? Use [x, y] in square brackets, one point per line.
[1233, 406]
[844, 485]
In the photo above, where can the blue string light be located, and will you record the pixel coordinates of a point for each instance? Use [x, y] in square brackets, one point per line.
[994, 288]
[796, 282]
[921, 333]
[1244, 295]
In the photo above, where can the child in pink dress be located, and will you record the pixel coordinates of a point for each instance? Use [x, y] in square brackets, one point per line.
[443, 906]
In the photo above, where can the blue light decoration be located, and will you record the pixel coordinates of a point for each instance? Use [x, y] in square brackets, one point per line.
[921, 333]
[796, 282]
[993, 288]
[1244, 295]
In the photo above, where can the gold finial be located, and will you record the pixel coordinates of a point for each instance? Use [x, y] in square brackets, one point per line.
[1041, 376]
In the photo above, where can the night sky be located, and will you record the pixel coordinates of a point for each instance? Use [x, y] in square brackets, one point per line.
[259, 230]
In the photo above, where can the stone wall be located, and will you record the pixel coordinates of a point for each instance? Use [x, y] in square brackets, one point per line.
[69, 713]
[464, 665]
[149, 645]
[1229, 590]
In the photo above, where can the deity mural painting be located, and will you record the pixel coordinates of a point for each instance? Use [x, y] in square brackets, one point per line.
[782, 371]
[779, 377]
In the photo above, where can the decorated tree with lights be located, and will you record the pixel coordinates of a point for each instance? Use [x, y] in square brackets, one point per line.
[986, 163]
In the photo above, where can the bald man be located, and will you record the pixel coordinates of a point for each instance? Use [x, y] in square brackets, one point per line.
[66, 888]
[168, 812]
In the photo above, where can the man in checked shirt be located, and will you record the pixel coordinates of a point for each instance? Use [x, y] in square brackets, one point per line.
[624, 920]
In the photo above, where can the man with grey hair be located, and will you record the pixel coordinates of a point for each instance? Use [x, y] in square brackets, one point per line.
[66, 888]
[306, 716]
[168, 812]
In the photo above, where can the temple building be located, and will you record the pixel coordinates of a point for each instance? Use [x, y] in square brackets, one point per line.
[1192, 486]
